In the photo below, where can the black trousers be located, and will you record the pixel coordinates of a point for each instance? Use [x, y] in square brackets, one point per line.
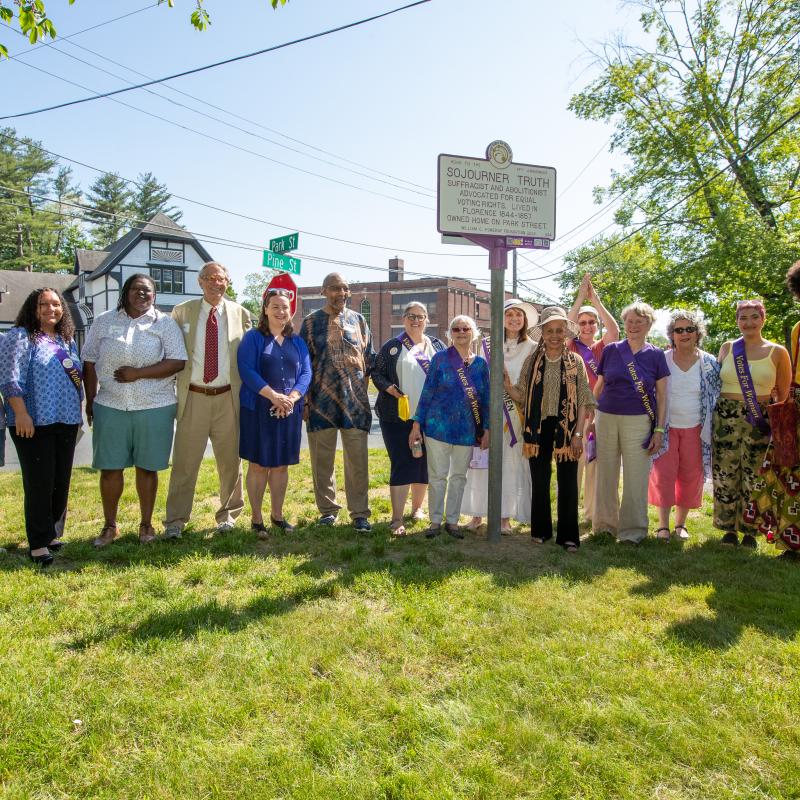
[567, 479]
[46, 464]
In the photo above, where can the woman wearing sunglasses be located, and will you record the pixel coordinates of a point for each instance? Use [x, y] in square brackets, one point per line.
[453, 414]
[753, 372]
[399, 375]
[692, 391]
[276, 371]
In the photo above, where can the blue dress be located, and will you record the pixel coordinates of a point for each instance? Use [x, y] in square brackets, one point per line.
[264, 439]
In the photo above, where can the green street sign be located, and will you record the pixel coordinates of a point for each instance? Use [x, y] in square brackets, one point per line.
[284, 244]
[282, 263]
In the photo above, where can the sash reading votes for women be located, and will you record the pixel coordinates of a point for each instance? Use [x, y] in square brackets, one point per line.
[508, 403]
[630, 365]
[419, 353]
[470, 392]
[70, 367]
[587, 355]
[754, 415]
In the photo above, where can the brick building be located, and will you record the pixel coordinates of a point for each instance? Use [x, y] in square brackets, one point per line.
[382, 302]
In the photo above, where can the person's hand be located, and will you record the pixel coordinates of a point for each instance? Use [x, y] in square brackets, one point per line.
[656, 440]
[90, 412]
[126, 374]
[485, 440]
[415, 435]
[394, 392]
[506, 380]
[25, 427]
[576, 446]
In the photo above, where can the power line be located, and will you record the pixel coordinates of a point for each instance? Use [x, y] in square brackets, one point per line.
[427, 193]
[251, 218]
[218, 63]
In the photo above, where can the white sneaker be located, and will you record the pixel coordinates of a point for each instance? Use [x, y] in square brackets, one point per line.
[172, 532]
[225, 527]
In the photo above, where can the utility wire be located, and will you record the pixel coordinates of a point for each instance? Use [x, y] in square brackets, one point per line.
[251, 218]
[217, 63]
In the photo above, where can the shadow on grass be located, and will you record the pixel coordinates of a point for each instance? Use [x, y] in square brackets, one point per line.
[748, 589]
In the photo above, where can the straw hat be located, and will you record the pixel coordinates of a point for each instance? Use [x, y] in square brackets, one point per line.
[551, 314]
[531, 314]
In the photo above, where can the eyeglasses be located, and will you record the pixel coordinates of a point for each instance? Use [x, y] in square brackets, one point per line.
[415, 317]
[687, 329]
[588, 322]
[465, 329]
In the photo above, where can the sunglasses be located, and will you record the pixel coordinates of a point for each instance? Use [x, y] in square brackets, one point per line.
[687, 329]
[415, 317]
[465, 329]
[277, 293]
[588, 322]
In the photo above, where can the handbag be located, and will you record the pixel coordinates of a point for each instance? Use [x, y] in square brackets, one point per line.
[783, 420]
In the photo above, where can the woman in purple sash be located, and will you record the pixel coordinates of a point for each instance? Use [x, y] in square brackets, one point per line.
[453, 414]
[753, 371]
[631, 392]
[41, 380]
[399, 372]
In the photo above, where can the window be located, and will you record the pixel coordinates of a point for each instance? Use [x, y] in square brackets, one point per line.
[366, 310]
[167, 281]
[312, 304]
[400, 301]
[167, 252]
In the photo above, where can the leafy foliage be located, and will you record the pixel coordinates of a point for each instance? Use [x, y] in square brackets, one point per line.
[109, 211]
[707, 116]
[255, 284]
[151, 198]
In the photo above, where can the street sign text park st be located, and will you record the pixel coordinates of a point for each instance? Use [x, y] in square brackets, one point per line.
[283, 244]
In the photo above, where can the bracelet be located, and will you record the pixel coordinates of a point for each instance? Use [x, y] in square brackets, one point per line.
[658, 430]
[579, 435]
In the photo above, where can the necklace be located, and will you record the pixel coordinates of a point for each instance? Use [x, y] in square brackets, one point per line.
[551, 360]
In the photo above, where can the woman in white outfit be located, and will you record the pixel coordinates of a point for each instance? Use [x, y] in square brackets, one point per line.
[518, 318]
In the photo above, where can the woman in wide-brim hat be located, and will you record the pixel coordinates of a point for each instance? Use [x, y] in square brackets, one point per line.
[553, 393]
[518, 318]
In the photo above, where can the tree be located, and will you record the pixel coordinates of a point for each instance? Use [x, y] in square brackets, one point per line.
[108, 208]
[35, 24]
[255, 284]
[708, 119]
[150, 198]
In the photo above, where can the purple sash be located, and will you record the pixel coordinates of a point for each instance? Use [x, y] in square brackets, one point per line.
[470, 392]
[638, 384]
[587, 355]
[754, 415]
[419, 355]
[70, 367]
[508, 403]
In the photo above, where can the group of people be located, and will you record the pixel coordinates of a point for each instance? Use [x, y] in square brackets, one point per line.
[156, 383]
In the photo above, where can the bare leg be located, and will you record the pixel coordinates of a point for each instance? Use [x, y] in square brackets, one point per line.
[663, 516]
[680, 515]
[418, 492]
[278, 481]
[399, 494]
[112, 482]
[146, 488]
[257, 477]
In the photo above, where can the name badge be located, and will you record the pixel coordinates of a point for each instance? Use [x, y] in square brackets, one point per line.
[116, 330]
[186, 327]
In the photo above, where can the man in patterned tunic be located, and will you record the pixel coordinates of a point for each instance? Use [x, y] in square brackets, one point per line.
[340, 344]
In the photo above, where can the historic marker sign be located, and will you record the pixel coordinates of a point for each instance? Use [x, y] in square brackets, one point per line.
[282, 263]
[283, 244]
[482, 197]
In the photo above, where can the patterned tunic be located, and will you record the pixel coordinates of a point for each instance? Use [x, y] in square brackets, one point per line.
[341, 359]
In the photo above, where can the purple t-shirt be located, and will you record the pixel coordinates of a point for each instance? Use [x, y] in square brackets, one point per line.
[619, 395]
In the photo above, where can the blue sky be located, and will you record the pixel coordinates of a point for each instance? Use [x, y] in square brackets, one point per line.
[447, 76]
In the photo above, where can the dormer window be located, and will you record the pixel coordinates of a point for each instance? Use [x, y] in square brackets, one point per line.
[167, 252]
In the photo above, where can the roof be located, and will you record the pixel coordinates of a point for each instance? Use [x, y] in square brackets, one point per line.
[159, 227]
[20, 284]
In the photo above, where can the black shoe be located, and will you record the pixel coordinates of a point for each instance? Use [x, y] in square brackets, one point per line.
[327, 519]
[433, 531]
[258, 527]
[731, 539]
[790, 555]
[282, 524]
[454, 531]
[749, 541]
[43, 560]
[55, 546]
[361, 524]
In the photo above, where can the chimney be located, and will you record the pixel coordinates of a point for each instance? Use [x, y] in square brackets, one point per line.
[396, 266]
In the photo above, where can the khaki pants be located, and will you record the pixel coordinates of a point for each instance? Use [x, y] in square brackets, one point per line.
[587, 475]
[322, 449]
[447, 473]
[620, 437]
[205, 417]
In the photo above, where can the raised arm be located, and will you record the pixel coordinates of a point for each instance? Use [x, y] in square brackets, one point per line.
[611, 333]
[581, 297]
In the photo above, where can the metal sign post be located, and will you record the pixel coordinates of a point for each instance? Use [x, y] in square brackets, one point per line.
[498, 205]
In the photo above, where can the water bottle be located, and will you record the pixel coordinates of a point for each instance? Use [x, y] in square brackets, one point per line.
[416, 448]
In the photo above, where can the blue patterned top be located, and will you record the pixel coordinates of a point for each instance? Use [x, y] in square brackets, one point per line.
[33, 372]
[443, 411]
[2, 405]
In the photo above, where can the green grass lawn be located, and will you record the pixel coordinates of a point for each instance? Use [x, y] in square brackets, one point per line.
[323, 664]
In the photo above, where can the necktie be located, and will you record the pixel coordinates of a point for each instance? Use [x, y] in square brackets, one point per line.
[211, 363]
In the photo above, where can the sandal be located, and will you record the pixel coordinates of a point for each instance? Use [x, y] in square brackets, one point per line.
[681, 532]
[537, 539]
[570, 547]
[474, 523]
[663, 536]
[146, 533]
[107, 535]
[397, 527]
